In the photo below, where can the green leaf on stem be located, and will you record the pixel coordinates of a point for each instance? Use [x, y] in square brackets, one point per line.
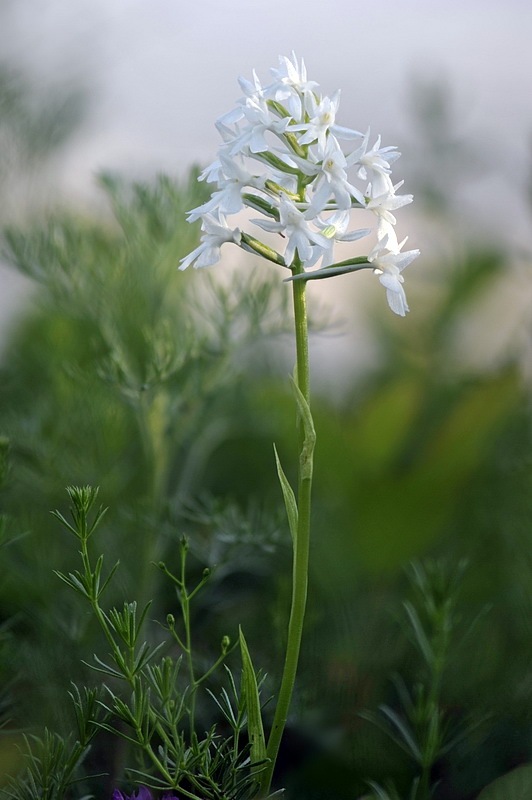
[250, 690]
[421, 637]
[309, 440]
[341, 268]
[396, 728]
[289, 498]
[75, 580]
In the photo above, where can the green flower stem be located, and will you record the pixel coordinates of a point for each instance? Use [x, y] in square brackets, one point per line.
[185, 610]
[301, 550]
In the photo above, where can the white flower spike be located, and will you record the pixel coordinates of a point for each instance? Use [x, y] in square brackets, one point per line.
[280, 155]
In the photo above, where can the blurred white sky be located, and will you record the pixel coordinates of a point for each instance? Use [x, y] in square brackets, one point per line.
[159, 72]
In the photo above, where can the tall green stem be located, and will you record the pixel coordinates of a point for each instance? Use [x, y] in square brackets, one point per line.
[301, 547]
[185, 610]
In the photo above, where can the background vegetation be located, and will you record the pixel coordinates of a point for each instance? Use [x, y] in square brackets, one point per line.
[167, 390]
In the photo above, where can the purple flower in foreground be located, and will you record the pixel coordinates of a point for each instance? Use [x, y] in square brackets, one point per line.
[142, 793]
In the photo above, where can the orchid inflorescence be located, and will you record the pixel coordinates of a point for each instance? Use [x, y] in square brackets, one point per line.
[281, 157]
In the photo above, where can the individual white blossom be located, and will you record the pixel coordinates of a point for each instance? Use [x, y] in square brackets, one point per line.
[388, 263]
[281, 156]
[334, 229]
[215, 234]
[321, 122]
[252, 89]
[376, 161]
[290, 76]
[383, 203]
[331, 183]
[293, 225]
[233, 179]
[260, 121]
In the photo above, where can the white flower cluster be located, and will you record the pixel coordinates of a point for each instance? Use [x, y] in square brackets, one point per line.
[281, 157]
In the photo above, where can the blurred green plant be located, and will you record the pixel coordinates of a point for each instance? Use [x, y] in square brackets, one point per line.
[515, 785]
[81, 399]
[420, 725]
[405, 434]
[34, 125]
[446, 451]
[121, 375]
[143, 699]
[104, 382]
[445, 157]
